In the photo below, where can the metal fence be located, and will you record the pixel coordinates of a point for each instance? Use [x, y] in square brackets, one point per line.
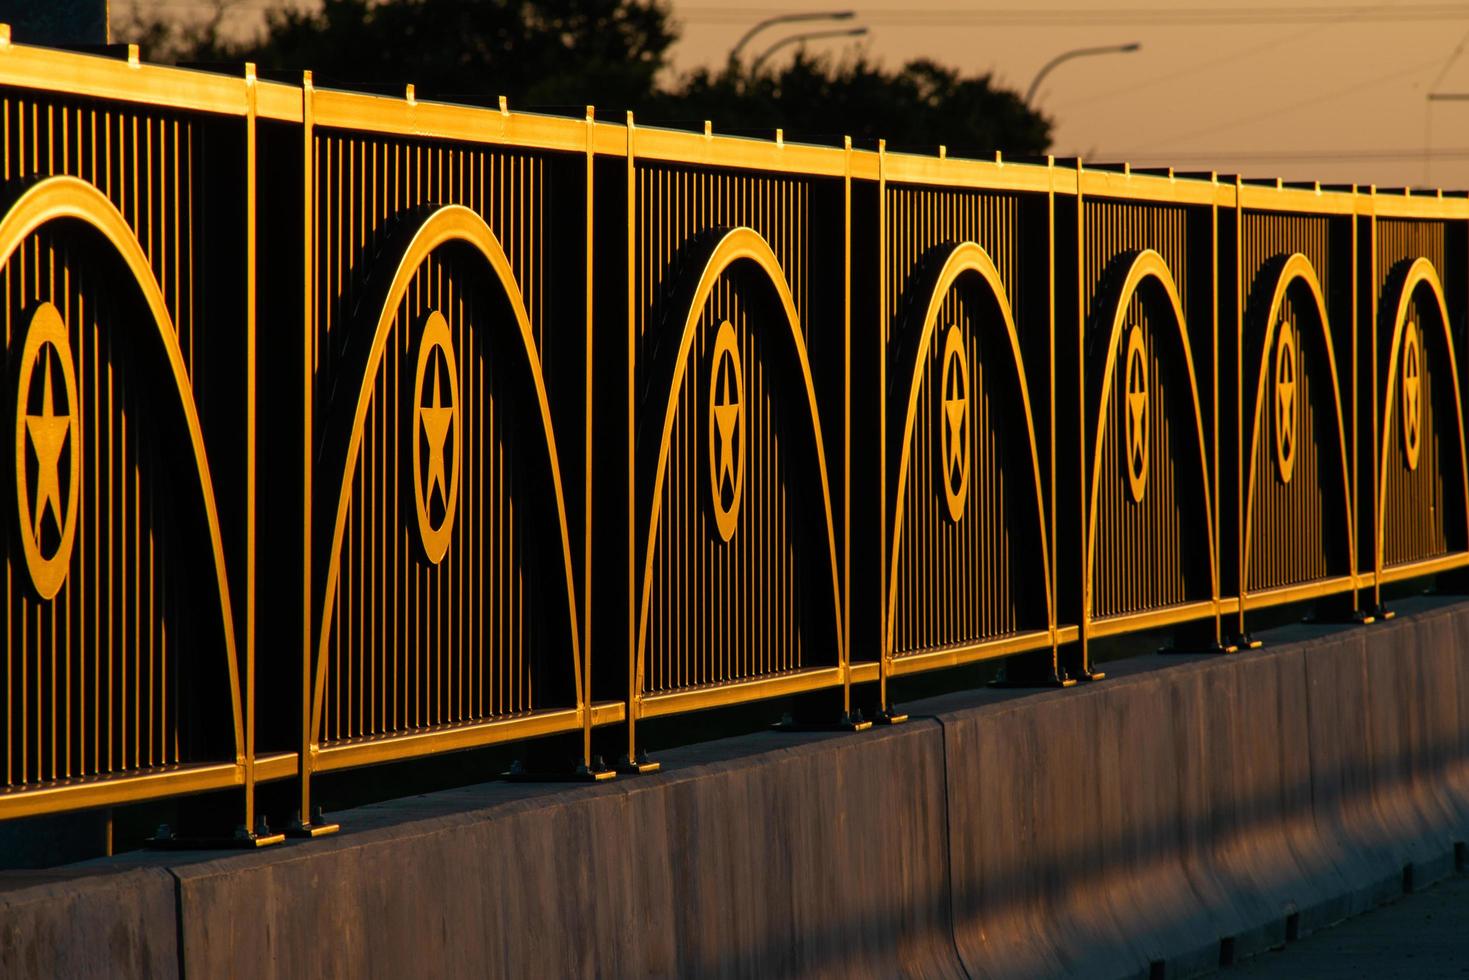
[352, 429]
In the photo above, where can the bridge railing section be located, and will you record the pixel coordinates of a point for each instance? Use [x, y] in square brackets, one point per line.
[445, 387]
[351, 428]
[735, 342]
[129, 608]
[1411, 258]
[1289, 462]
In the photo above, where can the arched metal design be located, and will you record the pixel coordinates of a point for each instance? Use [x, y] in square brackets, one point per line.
[448, 225]
[1146, 267]
[953, 263]
[722, 251]
[1419, 274]
[55, 199]
[1295, 270]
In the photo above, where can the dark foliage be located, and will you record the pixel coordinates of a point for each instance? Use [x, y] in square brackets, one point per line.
[918, 106]
[610, 53]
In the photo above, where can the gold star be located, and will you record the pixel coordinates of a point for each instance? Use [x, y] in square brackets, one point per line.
[954, 409]
[48, 432]
[726, 417]
[1287, 389]
[1410, 383]
[436, 419]
[1137, 405]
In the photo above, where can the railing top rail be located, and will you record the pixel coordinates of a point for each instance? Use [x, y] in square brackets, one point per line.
[131, 80]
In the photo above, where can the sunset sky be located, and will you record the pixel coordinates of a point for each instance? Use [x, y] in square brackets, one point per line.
[1301, 89]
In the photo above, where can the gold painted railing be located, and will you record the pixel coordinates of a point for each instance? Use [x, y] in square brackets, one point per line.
[352, 429]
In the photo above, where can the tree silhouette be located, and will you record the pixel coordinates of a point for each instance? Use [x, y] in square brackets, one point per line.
[610, 53]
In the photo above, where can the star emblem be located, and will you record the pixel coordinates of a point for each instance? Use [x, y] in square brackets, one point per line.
[726, 417]
[436, 437]
[954, 423]
[726, 430]
[436, 419]
[47, 430]
[1412, 393]
[1285, 400]
[1136, 392]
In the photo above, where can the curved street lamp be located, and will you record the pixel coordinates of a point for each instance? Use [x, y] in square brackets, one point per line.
[1078, 53]
[809, 36]
[734, 52]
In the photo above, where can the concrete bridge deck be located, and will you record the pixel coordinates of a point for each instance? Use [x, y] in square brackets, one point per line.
[1183, 809]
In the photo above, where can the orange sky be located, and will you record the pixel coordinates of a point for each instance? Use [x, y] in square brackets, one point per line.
[1299, 89]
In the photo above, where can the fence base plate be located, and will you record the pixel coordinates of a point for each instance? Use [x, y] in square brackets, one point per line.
[166, 840]
[312, 830]
[853, 722]
[642, 767]
[579, 774]
[1357, 617]
[1213, 647]
[1052, 680]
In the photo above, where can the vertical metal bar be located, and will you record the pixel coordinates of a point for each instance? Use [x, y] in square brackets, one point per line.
[846, 646]
[1214, 385]
[634, 697]
[1084, 482]
[585, 693]
[250, 448]
[1377, 450]
[884, 647]
[308, 424]
[1052, 557]
[1355, 519]
[1240, 486]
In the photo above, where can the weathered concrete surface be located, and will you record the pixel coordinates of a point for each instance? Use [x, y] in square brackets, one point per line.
[1099, 831]
[1149, 818]
[817, 857]
[88, 922]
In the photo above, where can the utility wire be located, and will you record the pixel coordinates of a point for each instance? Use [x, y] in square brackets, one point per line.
[1428, 106]
[1116, 16]
[1194, 68]
[1258, 115]
[1284, 156]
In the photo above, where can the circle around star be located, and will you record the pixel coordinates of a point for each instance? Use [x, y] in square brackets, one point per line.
[954, 423]
[1412, 394]
[42, 436]
[1135, 414]
[726, 430]
[436, 435]
[1287, 400]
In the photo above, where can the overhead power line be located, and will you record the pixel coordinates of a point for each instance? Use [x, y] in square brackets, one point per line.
[1111, 17]
[1283, 156]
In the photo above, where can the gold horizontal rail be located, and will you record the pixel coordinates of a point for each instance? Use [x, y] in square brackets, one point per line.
[453, 738]
[720, 695]
[1425, 567]
[1151, 618]
[968, 653]
[1286, 594]
[122, 788]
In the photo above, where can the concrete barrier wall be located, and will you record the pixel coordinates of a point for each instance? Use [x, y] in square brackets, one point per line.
[89, 922]
[1114, 830]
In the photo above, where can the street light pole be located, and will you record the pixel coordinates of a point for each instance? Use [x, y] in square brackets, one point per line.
[808, 36]
[734, 52]
[1067, 56]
